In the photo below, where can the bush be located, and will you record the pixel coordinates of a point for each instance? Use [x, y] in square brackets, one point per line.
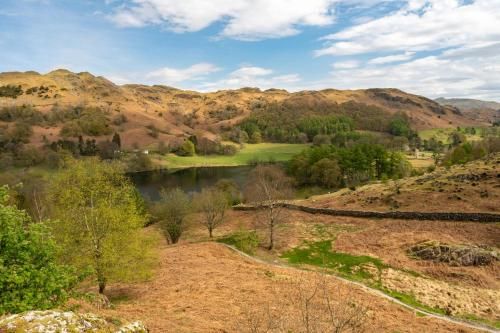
[11, 91]
[21, 132]
[30, 278]
[186, 149]
[139, 162]
[245, 241]
[229, 150]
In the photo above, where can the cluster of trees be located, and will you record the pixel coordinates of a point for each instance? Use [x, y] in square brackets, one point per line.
[89, 225]
[86, 121]
[299, 121]
[333, 167]
[175, 205]
[204, 146]
[78, 120]
[470, 151]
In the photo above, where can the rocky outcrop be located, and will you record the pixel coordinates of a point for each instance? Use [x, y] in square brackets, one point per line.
[454, 255]
[57, 321]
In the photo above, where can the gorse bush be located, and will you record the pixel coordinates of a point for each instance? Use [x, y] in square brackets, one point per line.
[30, 277]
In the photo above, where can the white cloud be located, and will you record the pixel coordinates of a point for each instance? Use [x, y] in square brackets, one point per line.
[346, 64]
[468, 75]
[421, 25]
[429, 47]
[168, 75]
[251, 76]
[242, 19]
[392, 58]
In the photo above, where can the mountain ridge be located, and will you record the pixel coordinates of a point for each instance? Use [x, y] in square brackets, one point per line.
[179, 113]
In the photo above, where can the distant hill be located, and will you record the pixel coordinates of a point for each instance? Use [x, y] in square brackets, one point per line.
[176, 113]
[485, 111]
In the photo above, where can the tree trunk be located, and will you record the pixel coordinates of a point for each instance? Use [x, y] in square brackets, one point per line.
[271, 236]
[102, 286]
[210, 232]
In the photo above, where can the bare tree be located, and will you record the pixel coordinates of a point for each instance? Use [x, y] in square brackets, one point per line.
[212, 203]
[267, 187]
[309, 304]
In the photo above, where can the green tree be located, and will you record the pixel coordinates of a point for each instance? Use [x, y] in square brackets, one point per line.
[186, 149]
[212, 204]
[30, 277]
[326, 172]
[98, 221]
[171, 211]
[256, 137]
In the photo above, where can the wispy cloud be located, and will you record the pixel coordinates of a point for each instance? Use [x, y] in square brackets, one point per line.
[392, 58]
[168, 75]
[252, 76]
[242, 19]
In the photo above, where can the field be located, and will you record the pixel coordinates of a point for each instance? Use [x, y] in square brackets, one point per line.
[250, 152]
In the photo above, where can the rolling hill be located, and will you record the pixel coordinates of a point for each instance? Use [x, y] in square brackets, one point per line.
[485, 111]
[175, 113]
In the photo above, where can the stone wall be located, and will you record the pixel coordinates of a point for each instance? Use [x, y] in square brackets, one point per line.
[437, 216]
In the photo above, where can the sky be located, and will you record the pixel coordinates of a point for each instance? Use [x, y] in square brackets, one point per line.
[436, 48]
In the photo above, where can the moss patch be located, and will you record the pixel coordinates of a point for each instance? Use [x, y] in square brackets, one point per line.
[321, 254]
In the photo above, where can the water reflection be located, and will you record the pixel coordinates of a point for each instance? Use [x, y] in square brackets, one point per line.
[150, 183]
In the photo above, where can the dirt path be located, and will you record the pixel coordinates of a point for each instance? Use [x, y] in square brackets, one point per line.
[376, 292]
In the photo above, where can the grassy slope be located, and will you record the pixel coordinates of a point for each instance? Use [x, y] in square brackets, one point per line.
[251, 152]
[442, 134]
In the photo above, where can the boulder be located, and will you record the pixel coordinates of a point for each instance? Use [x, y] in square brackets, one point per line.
[52, 321]
[454, 255]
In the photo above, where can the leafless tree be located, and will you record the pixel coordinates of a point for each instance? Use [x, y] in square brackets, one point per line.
[306, 305]
[212, 204]
[267, 187]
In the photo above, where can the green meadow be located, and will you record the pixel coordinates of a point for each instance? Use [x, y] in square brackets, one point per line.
[278, 152]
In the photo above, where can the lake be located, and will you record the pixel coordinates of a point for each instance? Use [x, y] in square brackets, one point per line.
[149, 183]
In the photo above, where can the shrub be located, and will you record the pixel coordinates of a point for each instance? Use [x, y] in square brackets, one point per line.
[10, 91]
[186, 149]
[229, 150]
[21, 132]
[30, 278]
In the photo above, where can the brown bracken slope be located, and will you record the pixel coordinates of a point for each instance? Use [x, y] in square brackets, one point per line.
[177, 113]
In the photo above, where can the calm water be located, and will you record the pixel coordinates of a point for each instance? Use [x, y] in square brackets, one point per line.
[150, 183]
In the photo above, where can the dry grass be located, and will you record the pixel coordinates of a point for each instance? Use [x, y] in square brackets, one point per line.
[206, 287]
[474, 187]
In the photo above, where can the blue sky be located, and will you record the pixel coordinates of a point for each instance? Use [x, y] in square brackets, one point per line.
[431, 47]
